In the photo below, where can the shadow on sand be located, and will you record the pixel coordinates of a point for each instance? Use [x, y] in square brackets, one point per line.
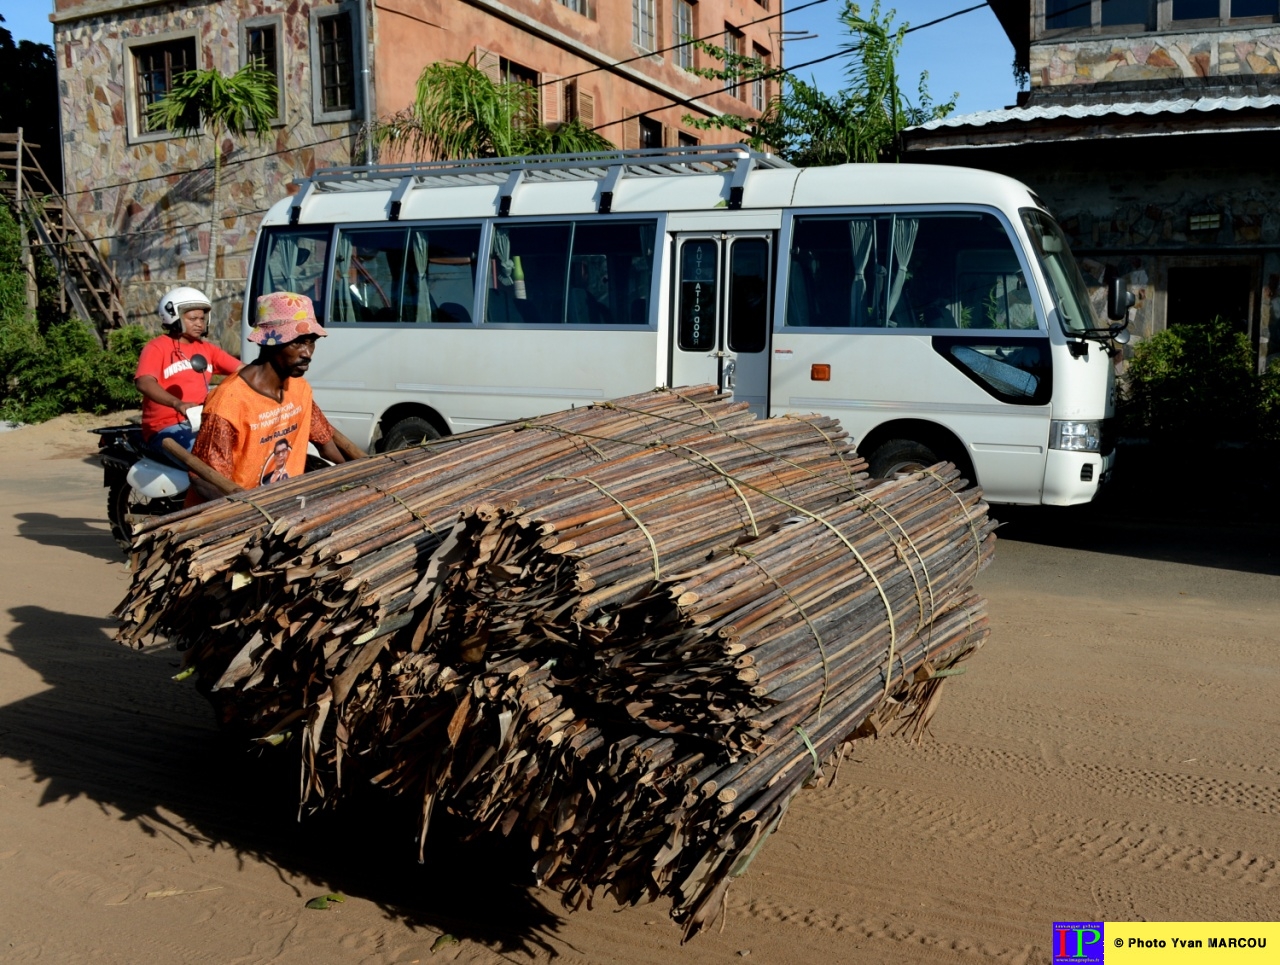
[1168, 506]
[113, 726]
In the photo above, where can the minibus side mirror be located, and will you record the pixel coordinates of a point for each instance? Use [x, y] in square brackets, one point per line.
[1119, 300]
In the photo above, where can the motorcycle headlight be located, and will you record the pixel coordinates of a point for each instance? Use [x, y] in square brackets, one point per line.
[1075, 436]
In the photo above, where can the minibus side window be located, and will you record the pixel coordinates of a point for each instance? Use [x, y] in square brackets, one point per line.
[587, 273]
[907, 271]
[293, 260]
[419, 273]
[369, 275]
[748, 294]
[696, 329]
[441, 281]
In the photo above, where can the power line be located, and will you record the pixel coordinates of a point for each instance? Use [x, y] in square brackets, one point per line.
[152, 231]
[225, 164]
[685, 43]
[684, 102]
[767, 75]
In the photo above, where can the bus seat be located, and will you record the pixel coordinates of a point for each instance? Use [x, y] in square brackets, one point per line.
[583, 309]
[451, 312]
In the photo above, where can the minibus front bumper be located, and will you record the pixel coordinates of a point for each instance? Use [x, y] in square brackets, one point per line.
[1072, 478]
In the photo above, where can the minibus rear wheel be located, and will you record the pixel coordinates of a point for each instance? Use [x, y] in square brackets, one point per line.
[900, 455]
[410, 431]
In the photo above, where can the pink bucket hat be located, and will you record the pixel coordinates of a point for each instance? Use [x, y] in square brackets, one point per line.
[283, 317]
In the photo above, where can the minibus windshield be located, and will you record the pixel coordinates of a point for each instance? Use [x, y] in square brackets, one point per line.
[1070, 295]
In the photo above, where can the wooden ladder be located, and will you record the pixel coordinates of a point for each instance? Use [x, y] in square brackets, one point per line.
[87, 279]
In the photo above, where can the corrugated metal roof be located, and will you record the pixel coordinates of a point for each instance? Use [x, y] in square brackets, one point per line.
[1082, 111]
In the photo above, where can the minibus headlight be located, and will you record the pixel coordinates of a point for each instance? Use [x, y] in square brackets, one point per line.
[1075, 436]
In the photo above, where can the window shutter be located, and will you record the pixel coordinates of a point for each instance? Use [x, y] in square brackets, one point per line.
[630, 132]
[668, 136]
[489, 64]
[551, 99]
[586, 109]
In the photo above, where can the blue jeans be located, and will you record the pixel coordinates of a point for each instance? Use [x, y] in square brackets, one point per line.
[180, 433]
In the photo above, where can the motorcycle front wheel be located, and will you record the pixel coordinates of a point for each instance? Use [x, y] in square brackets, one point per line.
[120, 510]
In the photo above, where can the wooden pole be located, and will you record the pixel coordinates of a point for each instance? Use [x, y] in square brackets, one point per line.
[200, 467]
[28, 263]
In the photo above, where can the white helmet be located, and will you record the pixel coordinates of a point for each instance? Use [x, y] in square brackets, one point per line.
[179, 300]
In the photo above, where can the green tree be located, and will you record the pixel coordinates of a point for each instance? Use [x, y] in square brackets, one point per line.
[808, 126]
[29, 98]
[460, 112]
[221, 104]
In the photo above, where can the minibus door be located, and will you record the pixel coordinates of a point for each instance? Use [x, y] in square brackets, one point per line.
[722, 304]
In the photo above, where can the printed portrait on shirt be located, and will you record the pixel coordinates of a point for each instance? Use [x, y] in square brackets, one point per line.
[275, 469]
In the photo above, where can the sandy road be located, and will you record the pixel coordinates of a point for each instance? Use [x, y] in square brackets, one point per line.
[1111, 754]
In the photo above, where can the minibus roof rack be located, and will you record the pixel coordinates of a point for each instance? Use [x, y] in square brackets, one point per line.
[606, 167]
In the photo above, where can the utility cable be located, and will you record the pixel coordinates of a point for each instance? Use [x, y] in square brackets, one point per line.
[769, 74]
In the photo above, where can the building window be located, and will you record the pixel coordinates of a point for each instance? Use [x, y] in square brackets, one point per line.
[682, 29]
[760, 85]
[686, 140]
[644, 25]
[1124, 13]
[734, 47]
[156, 68]
[337, 69]
[336, 59]
[650, 132]
[260, 43]
[1241, 9]
[577, 6]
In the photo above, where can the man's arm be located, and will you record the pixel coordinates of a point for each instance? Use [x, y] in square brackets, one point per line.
[215, 446]
[322, 436]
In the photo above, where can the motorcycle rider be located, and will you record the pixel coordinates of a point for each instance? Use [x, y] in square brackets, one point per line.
[165, 377]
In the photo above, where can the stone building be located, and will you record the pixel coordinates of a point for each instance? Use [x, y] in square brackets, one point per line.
[144, 194]
[1148, 130]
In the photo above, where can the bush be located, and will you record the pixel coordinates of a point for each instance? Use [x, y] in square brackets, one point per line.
[65, 370]
[1195, 384]
[50, 365]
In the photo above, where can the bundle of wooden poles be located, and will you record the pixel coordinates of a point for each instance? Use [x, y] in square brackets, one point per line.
[630, 632]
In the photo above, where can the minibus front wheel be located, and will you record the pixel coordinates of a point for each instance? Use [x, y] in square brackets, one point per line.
[900, 455]
[410, 431]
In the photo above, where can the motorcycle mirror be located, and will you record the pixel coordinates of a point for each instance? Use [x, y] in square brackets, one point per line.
[199, 363]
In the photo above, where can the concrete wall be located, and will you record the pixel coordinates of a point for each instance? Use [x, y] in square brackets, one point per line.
[1128, 206]
[549, 38]
[148, 200]
[1229, 54]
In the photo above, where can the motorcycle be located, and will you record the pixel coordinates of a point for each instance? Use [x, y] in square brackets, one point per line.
[139, 482]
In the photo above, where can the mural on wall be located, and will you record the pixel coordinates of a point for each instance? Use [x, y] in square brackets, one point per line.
[1120, 59]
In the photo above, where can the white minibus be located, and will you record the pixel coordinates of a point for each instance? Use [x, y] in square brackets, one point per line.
[936, 311]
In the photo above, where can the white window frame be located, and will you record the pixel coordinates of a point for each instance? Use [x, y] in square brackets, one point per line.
[682, 56]
[644, 13]
[282, 94]
[318, 114]
[136, 126]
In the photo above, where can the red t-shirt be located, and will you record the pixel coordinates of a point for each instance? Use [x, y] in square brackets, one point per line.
[169, 360]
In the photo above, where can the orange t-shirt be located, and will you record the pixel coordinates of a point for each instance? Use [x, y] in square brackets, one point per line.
[254, 440]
